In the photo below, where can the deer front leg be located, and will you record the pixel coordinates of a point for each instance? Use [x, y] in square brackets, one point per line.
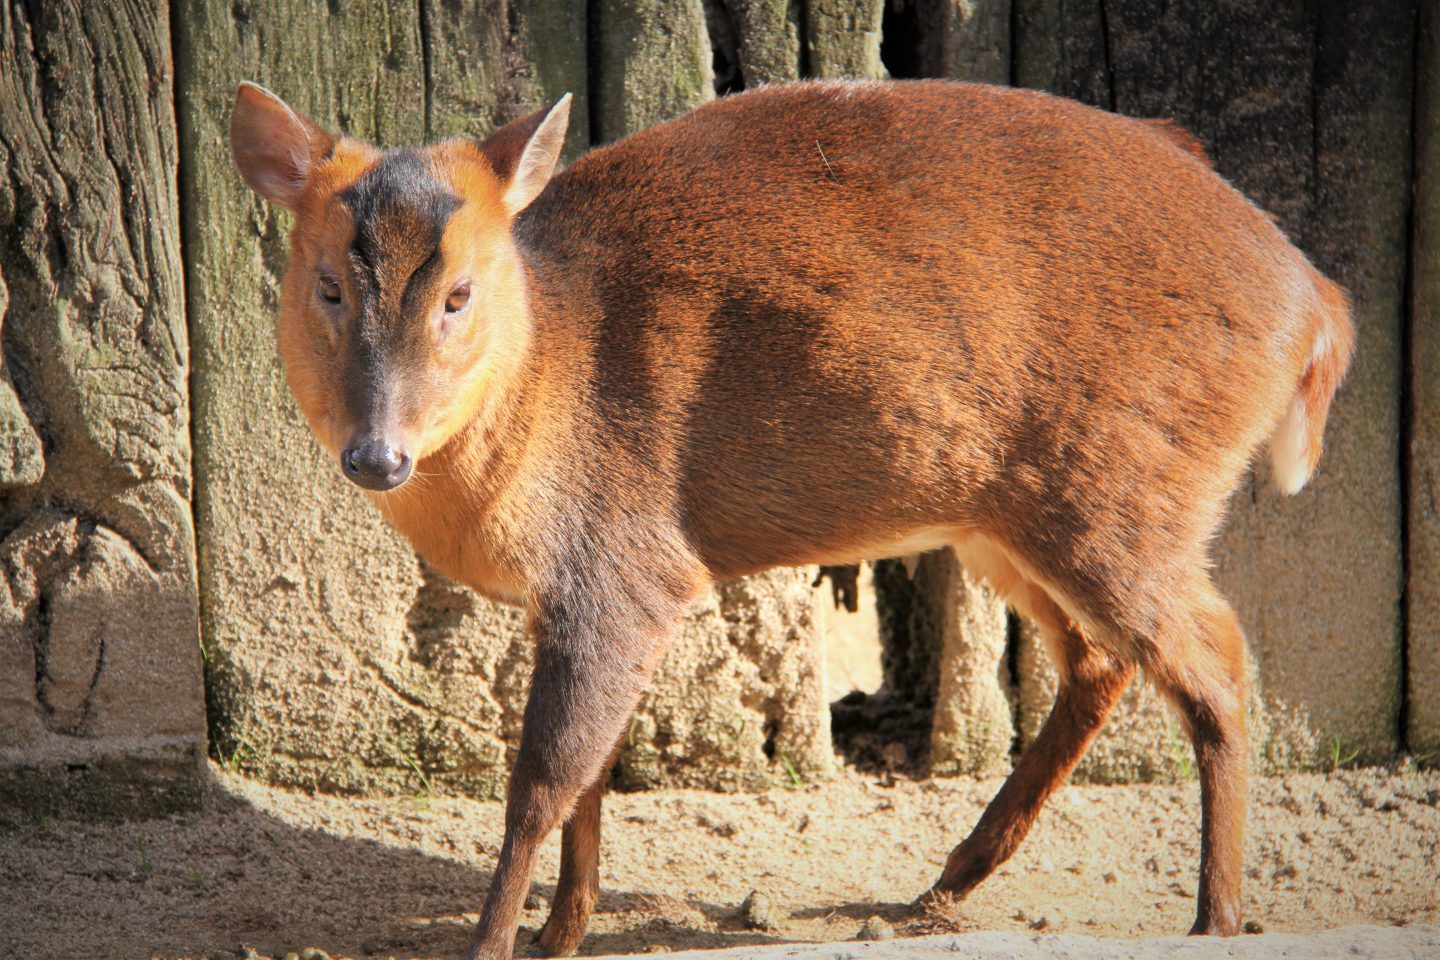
[579, 884]
[588, 677]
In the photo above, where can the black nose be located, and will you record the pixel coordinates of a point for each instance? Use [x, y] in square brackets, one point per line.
[375, 465]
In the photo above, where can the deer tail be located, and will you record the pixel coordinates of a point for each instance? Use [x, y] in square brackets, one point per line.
[1296, 443]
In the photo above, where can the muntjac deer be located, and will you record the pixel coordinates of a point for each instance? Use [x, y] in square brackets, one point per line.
[809, 324]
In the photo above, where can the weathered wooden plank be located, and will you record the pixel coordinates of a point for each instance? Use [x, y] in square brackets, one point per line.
[962, 39]
[325, 665]
[652, 62]
[842, 38]
[100, 686]
[1423, 620]
[767, 34]
[491, 61]
[976, 40]
[1060, 46]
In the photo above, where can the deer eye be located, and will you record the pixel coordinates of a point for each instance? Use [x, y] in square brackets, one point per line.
[329, 289]
[459, 298]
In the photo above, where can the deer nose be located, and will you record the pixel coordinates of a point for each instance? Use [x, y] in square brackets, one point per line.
[375, 465]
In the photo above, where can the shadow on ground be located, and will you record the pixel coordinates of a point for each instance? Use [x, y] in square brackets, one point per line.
[234, 875]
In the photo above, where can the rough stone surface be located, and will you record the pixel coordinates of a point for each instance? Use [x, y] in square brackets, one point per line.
[1423, 621]
[1307, 113]
[22, 459]
[739, 699]
[115, 779]
[100, 685]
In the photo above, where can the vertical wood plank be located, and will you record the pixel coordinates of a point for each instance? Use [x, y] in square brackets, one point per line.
[768, 39]
[319, 620]
[491, 61]
[653, 62]
[842, 38]
[1423, 620]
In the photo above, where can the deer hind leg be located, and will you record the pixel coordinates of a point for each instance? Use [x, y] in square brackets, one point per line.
[1091, 680]
[1197, 659]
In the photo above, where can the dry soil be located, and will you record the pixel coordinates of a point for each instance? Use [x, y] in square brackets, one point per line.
[277, 871]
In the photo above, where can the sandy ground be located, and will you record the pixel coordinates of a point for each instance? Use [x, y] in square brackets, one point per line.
[279, 871]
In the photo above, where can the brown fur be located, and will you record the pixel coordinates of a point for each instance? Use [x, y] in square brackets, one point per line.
[1182, 138]
[825, 322]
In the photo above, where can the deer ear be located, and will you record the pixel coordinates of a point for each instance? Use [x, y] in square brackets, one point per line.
[275, 148]
[524, 153]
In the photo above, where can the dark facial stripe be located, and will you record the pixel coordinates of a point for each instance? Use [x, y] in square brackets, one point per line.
[400, 212]
[398, 194]
[421, 289]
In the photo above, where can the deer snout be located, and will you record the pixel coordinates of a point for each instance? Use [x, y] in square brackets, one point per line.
[374, 464]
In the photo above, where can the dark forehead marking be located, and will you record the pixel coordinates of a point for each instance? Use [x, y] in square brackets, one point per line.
[398, 201]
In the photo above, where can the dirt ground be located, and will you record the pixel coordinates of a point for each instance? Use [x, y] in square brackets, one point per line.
[279, 871]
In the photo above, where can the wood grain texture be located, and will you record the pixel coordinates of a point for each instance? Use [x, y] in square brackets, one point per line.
[768, 40]
[1423, 596]
[488, 62]
[99, 659]
[652, 62]
[842, 39]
